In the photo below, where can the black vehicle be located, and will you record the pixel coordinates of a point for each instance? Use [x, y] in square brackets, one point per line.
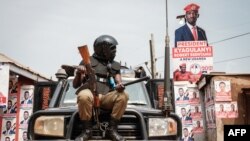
[60, 119]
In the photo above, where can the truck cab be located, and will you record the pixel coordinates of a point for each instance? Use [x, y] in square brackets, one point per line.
[60, 119]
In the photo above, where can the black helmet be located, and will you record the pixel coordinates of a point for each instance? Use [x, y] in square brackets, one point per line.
[105, 47]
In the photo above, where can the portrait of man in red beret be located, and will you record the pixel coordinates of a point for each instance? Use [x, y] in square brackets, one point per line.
[182, 74]
[190, 31]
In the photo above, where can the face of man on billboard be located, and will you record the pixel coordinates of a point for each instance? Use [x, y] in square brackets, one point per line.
[25, 136]
[26, 115]
[222, 86]
[8, 125]
[9, 104]
[183, 69]
[192, 16]
[183, 112]
[26, 95]
[181, 91]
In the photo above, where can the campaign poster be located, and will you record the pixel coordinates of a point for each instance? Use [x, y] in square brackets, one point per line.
[11, 108]
[198, 126]
[187, 133]
[26, 99]
[191, 59]
[13, 84]
[22, 136]
[194, 96]
[181, 94]
[4, 84]
[8, 128]
[222, 90]
[232, 109]
[209, 98]
[196, 111]
[184, 112]
[220, 109]
[210, 116]
[24, 116]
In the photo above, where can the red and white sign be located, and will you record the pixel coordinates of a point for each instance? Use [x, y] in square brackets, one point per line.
[192, 44]
[197, 58]
[4, 84]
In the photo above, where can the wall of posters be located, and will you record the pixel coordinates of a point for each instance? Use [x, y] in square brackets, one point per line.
[16, 113]
[188, 108]
[224, 106]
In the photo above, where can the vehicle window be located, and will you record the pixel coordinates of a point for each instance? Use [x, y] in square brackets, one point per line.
[137, 95]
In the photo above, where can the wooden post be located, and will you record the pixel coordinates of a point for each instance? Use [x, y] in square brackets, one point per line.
[152, 56]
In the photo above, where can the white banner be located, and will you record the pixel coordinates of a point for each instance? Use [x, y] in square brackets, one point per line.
[4, 84]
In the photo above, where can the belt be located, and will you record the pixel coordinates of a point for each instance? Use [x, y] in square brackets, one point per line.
[101, 79]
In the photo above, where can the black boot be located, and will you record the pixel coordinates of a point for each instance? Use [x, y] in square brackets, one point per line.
[87, 131]
[112, 132]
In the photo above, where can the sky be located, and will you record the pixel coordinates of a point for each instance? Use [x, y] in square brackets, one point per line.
[44, 34]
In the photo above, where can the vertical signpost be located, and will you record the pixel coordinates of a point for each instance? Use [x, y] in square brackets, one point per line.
[168, 107]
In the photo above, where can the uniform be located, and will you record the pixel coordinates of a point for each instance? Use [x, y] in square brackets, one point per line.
[108, 98]
[109, 88]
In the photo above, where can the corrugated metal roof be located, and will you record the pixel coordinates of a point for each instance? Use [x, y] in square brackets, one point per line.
[6, 59]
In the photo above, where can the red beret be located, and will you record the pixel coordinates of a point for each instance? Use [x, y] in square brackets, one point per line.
[183, 65]
[192, 7]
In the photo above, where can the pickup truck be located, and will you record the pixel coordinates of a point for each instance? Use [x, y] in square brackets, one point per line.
[60, 119]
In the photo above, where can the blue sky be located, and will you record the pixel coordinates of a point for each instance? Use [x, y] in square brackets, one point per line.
[45, 34]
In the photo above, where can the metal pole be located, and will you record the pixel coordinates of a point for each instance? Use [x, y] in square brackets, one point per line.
[168, 107]
[152, 56]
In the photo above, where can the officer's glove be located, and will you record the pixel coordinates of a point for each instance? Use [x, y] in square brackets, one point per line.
[81, 69]
[120, 87]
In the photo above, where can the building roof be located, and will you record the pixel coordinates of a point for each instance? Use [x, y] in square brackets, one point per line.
[22, 70]
[207, 77]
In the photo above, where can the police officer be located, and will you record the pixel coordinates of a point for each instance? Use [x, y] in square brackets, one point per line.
[108, 76]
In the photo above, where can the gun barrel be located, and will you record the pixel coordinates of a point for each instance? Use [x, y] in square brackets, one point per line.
[138, 80]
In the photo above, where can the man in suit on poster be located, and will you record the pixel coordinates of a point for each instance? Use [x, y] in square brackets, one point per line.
[27, 98]
[190, 31]
[185, 117]
[182, 95]
[25, 136]
[9, 109]
[25, 117]
[9, 129]
[186, 135]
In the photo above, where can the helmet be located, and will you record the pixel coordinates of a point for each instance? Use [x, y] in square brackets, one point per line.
[105, 47]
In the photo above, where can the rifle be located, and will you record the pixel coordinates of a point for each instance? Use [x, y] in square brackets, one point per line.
[145, 78]
[91, 80]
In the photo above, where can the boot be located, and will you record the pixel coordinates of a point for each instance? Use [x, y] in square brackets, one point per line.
[87, 131]
[112, 131]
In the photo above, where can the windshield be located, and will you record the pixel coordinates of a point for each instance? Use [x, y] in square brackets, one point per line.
[137, 95]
